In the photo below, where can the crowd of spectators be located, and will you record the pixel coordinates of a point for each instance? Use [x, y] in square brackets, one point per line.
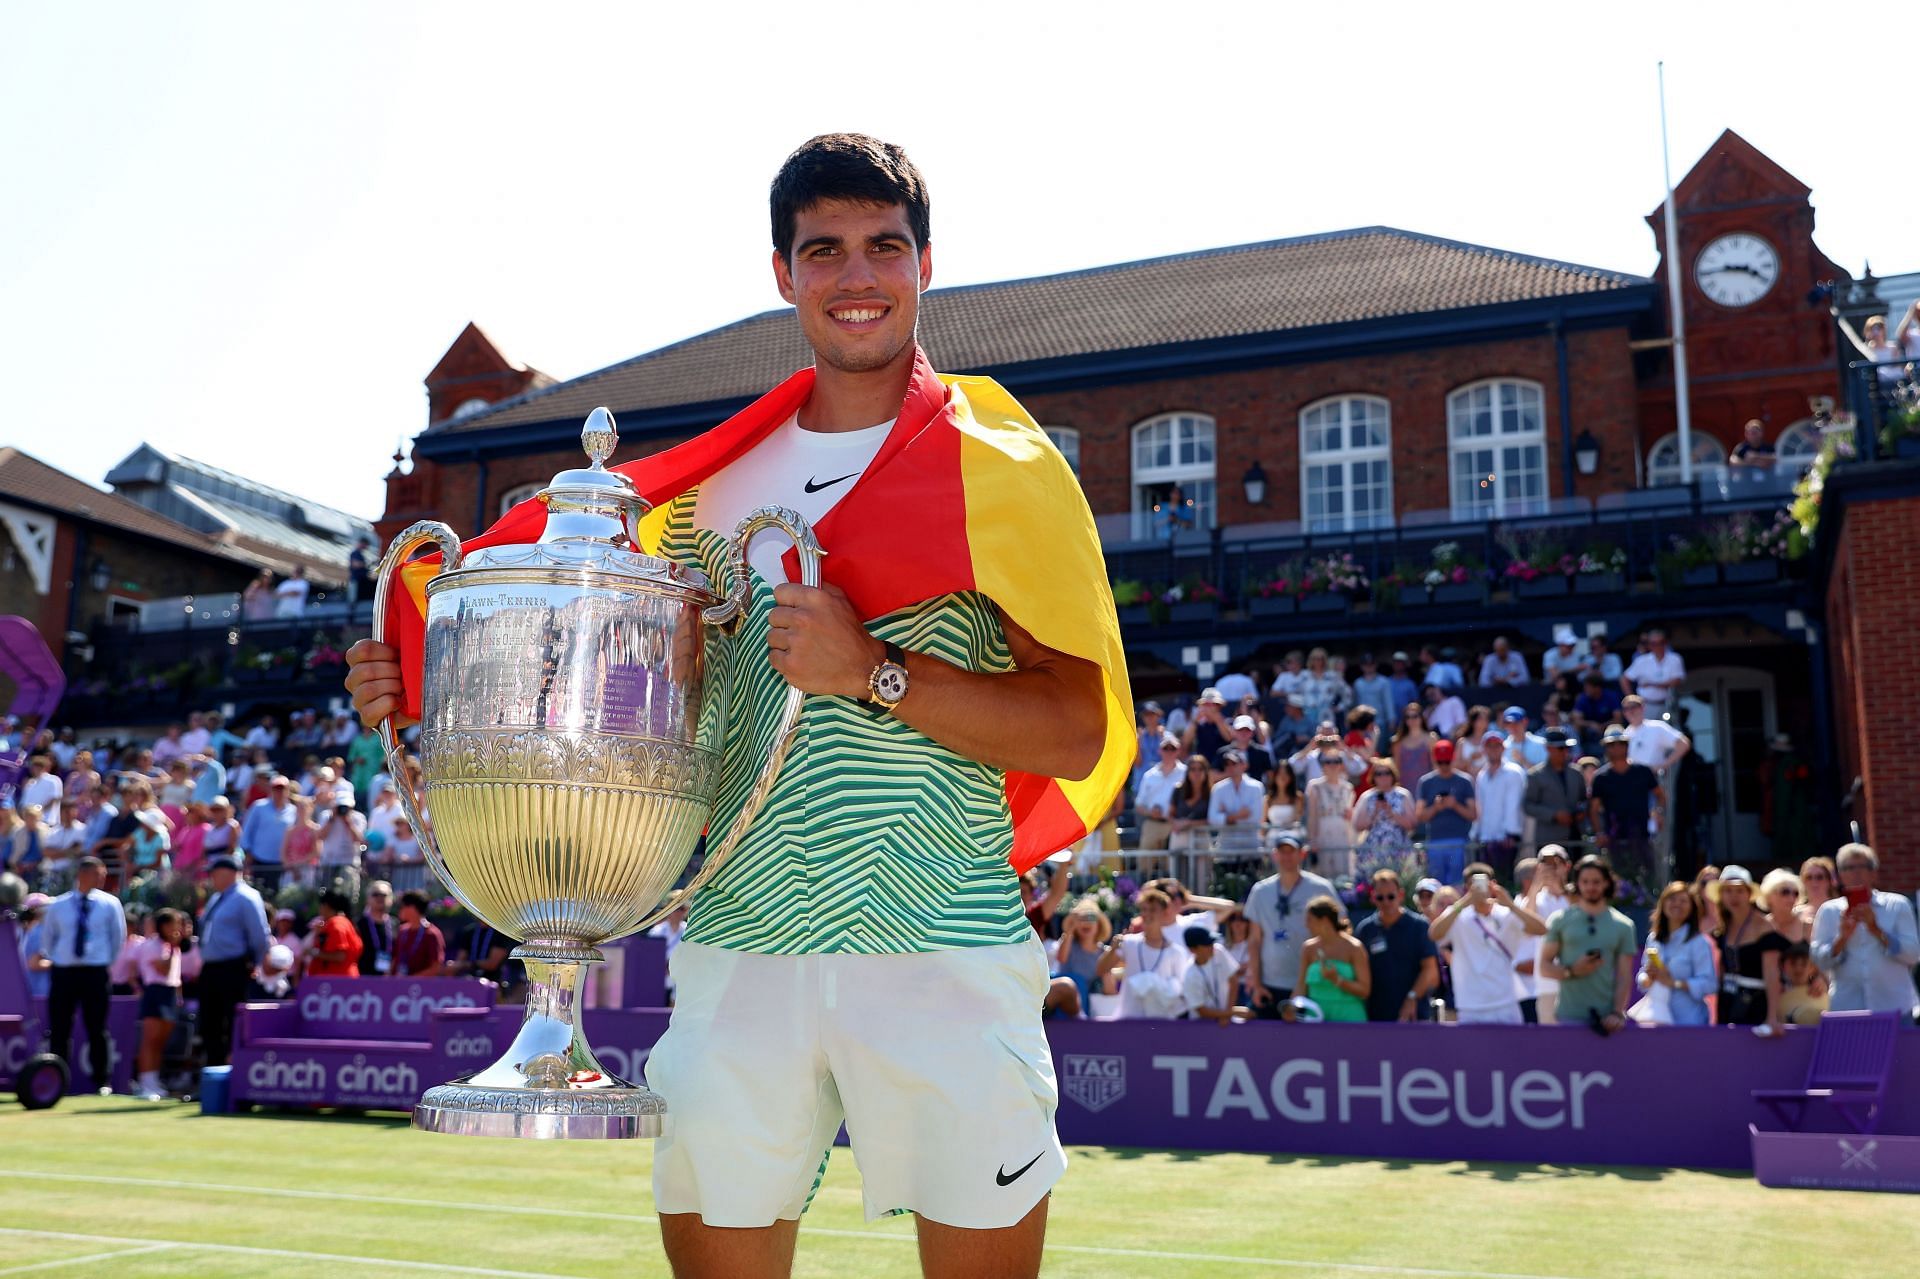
[1546, 945]
[211, 866]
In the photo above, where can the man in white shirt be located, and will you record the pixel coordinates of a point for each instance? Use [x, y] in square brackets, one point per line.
[1234, 806]
[1445, 711]
[290, 597]
[263, 736]
[1503, 666]
[1153, 798]
[1546, 896]
[1499, 791]
[1236, 686]
[194, 740]
[41, 787]
[81, 935]
[1485, 947]
[1651, 740]
[1656, 675]
[1565, 657]
[1287, 682]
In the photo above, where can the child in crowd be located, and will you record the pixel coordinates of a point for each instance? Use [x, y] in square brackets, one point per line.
[1077, 954]
[1803, 995]
[156, 967]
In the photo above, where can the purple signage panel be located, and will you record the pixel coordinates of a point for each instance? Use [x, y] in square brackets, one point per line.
[382, 1007]
[123, 1045]
[318, 1075]
[1672, 1096]
[1836, 1161]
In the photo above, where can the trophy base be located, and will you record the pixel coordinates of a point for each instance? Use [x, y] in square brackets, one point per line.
[614, 1110]
[548, 1084]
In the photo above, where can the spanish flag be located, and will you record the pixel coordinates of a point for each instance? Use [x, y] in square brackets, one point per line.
[990, 506]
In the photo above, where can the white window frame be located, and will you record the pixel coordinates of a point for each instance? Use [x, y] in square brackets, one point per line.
[1191, 457]
[1350, 410]
[518, 494]
[1067, 440]
[1709, 459]
[1807, 430]
[1461, 412]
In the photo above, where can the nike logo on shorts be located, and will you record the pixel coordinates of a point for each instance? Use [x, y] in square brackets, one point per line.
[814, 486]
[1003, 1179]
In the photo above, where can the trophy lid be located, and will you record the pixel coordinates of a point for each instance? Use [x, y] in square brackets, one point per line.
[591, 503]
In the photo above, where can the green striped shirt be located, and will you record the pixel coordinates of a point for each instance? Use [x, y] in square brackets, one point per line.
[875, 839]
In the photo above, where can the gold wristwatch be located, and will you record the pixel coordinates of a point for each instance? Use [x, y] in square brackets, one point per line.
[887, 685]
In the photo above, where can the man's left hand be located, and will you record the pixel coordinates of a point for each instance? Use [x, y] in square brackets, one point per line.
[815, 640]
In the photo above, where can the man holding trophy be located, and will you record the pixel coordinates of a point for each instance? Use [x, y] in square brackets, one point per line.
[855, 948]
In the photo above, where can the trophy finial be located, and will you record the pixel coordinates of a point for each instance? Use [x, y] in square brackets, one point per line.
[599, 437]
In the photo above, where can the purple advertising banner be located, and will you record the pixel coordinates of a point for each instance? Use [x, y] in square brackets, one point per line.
[1666, 1097]
[123, 1043]
[382, 1007]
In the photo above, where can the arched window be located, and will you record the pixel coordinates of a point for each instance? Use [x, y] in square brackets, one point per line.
[518, 494]
[1067, 440]
[469, 407]
[1497, 464]
[1346, 464]
[1173, 475]
[1797, 446]
[1663, 460]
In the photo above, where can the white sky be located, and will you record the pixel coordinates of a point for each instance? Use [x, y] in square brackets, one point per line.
[244, 234]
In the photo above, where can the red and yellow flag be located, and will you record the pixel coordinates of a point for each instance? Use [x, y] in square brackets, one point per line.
[966, 494]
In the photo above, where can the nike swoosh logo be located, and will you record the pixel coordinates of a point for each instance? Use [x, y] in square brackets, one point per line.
[1003, 1179]
[813, 486]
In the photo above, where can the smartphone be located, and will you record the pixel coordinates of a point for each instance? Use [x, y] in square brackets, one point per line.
[1593, 954]
[1857, 897]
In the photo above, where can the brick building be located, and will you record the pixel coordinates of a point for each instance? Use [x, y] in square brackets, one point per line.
[1377, 391]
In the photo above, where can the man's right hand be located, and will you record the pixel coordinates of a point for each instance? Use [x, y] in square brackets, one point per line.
[373, 677]
[1585, 965]
[1262, 996]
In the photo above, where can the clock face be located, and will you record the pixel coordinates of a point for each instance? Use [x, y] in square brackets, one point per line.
[1737, 269]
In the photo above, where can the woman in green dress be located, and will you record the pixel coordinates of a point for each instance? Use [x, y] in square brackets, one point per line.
[1334, 963]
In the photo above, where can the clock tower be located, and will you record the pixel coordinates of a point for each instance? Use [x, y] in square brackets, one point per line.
[1755, 346]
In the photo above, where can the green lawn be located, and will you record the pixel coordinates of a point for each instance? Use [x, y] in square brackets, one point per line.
[112, 1187]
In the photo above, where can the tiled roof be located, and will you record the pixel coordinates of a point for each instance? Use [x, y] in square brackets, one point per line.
[26, 478]
[1336, 278]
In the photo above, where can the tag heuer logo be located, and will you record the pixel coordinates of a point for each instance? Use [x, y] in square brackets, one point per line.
[1094, 1082]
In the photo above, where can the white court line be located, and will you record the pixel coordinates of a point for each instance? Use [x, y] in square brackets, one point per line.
[289, 1254]
[92, 1256]
[582, 1214]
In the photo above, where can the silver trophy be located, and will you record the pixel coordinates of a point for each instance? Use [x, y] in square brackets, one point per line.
[569, 757]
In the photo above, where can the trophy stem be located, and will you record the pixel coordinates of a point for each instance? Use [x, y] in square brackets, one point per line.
[548, 1083]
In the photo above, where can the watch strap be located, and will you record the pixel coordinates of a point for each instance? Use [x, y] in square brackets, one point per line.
[895, 654]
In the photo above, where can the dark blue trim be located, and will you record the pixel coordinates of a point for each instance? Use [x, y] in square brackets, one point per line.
[1385, 335]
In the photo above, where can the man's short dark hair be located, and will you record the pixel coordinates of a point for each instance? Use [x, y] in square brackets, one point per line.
[415, 898]
[847, 166]
[91, 863]
[336, 899]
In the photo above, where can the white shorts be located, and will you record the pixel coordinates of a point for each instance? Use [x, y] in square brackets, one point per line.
[936, 1062]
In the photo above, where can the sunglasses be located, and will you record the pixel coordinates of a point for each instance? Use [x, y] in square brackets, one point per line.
[1169, 750]
[1786, 892]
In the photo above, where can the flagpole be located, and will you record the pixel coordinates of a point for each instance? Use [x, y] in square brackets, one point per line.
[1683, 410]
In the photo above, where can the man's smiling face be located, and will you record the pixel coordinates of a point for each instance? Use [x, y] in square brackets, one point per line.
[855, 277]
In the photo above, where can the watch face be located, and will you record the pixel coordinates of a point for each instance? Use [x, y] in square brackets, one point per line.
[1737, 270]
[890, 683]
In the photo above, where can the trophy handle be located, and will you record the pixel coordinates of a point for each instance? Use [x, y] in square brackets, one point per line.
[725, 612]
[398, 553]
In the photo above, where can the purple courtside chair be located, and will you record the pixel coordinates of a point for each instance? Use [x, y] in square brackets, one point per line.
[1852, 1057]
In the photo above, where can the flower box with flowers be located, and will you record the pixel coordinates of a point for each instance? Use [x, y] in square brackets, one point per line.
[1329, 583]
[1275, 596]
[1528, 580]
[1133, 601]
[1455, 578]
[1194, 600]
[1750, 571]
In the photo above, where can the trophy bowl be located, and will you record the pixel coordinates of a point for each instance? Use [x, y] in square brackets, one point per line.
[570, 751]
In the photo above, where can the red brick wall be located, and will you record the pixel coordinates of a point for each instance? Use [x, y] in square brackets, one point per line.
[1257, 416]
[1873, 614]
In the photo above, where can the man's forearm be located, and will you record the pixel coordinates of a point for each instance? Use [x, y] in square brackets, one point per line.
[968, 713]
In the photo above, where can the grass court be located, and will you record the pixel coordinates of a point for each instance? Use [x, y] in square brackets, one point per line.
[116, 1188]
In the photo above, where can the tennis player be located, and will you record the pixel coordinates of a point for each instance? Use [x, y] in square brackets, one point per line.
[864, 957]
